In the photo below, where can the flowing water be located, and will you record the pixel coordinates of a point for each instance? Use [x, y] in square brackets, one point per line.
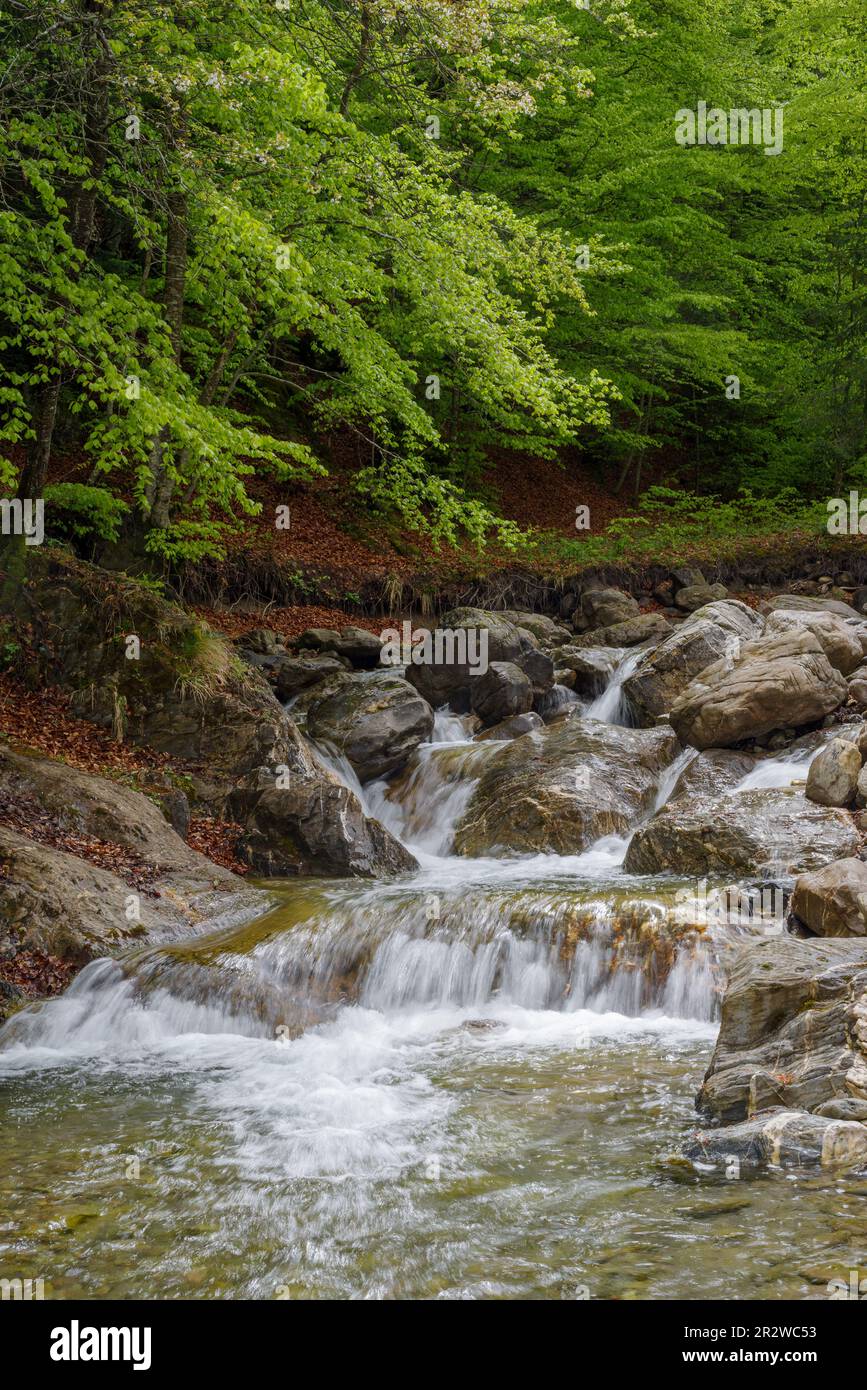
[466, 1084]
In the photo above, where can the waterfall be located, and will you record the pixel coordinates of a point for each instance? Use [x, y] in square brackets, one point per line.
[610, 707]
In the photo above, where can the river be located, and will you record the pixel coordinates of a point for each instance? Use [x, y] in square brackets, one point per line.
[470, 1084]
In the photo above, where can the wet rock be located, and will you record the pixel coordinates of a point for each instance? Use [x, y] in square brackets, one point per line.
[837, 638]
[605, 607]
[592, 667]
[513, 728]
[832, 901]
[377, 721]
[781, 1139]
[628, 633]
[833, 776]
[712, 773]
[665, 672]
[312, 825]
[782, 680]
[559, 791]
[792, 1029]
[292, 674]
[694, 596]
[501, 692]
[772, 830]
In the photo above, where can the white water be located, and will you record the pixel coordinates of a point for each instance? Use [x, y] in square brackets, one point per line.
[461, 978]
[610, 707]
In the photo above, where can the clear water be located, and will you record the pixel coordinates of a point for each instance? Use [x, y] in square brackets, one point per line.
[468, 1085]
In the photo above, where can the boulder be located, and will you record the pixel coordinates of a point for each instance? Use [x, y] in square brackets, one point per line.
[591, 667]
[837, 638]
[292, 674]
[793, 1028]
[188, 695]
[857, 686]
[780, 1139]
[770, 831]
[833, 901]
[694, 596]
[311, 825]
[785, 680]
[806, 604]
[833, 776]
[605, 607]
[377, 721]
[512, 728]
[687, 577]
[262, 641]
[83, 804]
[711, 774]
[629, 633]
[667, 670]
[544, 629]
[360, 647]
[470, 640]
[72, 908]
[559, 790]
[501, 692]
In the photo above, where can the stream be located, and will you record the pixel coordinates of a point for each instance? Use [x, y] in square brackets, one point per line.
[468, 1084]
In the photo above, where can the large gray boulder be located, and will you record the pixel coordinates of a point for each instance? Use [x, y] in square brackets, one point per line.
[501, 692]
[833, 901]
[782, 681]
[605, 607]
[806, 604]
[693, 596]
[667, 670]
[628, 633]
[838, 639]
[377, 721]
[311, 824]
[793, 1029]
[360, 647]
[833, 776]
[465, 643]
[546, 631]
[559, 790]
[292, 674]
[773, 832]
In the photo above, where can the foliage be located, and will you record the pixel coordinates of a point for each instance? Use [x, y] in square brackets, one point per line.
[227, 231]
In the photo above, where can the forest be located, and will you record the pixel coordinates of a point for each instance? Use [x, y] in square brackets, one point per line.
[236, 239]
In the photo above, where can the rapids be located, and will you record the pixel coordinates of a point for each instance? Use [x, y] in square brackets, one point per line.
[464, 1084]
